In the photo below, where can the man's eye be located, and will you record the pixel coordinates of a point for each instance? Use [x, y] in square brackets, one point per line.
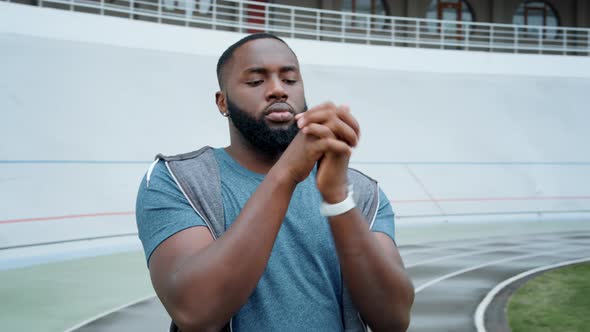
[254, 83]
[290, 81]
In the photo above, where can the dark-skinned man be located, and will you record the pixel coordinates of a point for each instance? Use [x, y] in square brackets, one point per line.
[294, 247]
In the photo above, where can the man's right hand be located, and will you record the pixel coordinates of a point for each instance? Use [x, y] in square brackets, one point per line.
[303, 153]
[300, 157]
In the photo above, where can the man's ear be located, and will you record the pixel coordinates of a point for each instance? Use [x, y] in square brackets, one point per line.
[221, 102]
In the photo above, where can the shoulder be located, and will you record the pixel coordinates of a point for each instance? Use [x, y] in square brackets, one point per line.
[366, 193]
[194, 164]
[361, 181]
[204, 151]
[156, 185]
[156, 175]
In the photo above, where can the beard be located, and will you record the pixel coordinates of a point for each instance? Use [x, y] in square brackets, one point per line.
[270, 141]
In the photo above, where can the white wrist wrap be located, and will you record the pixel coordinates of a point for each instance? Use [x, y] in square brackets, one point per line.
[330, 210]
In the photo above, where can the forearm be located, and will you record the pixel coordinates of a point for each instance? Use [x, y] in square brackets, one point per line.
[378, 284]
[213, 284]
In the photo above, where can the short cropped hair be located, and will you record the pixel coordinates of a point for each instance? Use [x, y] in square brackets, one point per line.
[227, 54]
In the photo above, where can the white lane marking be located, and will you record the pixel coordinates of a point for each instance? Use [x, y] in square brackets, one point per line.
[483, 305]
[108, 312]
[454, 246]
[470, 253]
[506, 247]
[476, 267]
[512, 238]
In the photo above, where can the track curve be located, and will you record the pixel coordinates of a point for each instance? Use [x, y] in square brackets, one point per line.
[451, 279]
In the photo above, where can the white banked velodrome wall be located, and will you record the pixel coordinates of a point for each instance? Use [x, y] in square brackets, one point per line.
[87, 101]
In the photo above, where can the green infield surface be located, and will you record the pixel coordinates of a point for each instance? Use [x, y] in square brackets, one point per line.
[57, 296]
[558, 300]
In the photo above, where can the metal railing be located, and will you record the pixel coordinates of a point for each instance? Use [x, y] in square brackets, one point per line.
[329, 25]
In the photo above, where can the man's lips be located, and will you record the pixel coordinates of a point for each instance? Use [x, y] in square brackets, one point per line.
[279, 112]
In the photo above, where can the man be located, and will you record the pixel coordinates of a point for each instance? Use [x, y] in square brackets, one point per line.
[281, 265]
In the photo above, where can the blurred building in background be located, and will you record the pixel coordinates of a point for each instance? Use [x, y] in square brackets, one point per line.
[551, 26]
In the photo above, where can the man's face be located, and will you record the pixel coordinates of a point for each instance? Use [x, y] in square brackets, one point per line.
[264, 91]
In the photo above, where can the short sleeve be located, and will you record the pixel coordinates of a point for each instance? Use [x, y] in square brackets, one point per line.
[384, 221]
[162, 210]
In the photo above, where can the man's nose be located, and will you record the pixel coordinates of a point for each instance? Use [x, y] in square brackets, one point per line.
[276, 89]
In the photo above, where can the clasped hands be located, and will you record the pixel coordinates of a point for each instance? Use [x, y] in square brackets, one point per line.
[327, 135]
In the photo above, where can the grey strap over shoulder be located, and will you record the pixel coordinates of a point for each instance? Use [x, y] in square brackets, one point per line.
[197, 175]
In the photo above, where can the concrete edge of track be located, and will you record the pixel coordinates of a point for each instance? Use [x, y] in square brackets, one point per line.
[495, 301]
[35, 254]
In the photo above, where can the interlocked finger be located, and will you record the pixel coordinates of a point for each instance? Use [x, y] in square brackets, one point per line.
[337, 119]
[333, 145]
[345, 115]
[318, 130]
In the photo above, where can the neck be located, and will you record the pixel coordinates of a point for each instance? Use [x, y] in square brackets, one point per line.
[249, 156]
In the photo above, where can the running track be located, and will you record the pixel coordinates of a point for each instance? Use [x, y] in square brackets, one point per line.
[451, 279]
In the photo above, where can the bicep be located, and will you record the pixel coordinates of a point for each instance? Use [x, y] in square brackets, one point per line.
[172, 253]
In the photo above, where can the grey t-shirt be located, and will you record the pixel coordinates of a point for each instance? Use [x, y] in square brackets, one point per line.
[301, 288]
